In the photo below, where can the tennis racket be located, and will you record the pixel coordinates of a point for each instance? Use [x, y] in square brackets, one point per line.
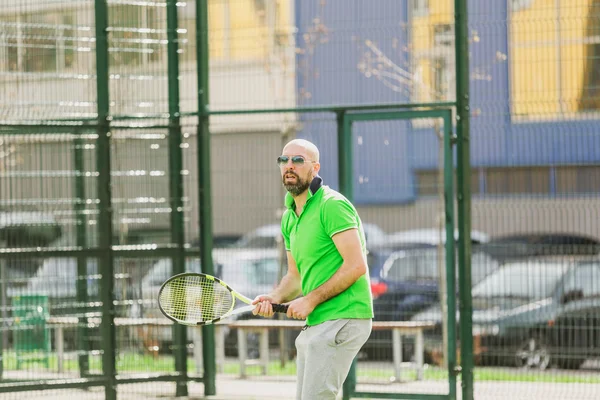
[201, 299]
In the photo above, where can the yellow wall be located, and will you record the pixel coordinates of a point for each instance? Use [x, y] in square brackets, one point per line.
[248, 35]
[422, 40]
[545, 79]
[548, 79]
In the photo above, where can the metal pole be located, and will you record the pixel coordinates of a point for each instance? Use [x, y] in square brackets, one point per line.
[450, 256]
[204, 189]
[176, 187]
[344, 138]
[464, 196]
[3, 306]
[344, 134]
[81, 284]
[105, 223]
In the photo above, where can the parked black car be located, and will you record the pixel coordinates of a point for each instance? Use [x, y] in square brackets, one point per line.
[408, 283]
[519, 246]
[533, 314]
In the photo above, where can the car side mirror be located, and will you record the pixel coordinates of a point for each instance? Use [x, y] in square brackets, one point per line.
[571, 295]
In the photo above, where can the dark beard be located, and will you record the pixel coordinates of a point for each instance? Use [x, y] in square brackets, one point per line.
[297, 188]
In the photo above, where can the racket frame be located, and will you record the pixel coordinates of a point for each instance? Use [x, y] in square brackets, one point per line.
[232, 311]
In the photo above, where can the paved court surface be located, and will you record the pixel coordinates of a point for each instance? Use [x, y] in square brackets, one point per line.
[269, 389]
[283, 388]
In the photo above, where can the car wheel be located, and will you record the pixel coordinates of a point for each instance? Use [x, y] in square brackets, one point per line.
[570, 363]
[533, 353]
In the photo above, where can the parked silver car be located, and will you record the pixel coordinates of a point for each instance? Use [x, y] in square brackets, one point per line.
[249, 271]
[268, 236]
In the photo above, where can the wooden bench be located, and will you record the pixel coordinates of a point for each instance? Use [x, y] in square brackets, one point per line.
[262, 327]
[59, 324]
[259, 326]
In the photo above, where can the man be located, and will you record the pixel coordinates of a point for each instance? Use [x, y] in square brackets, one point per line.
[326, 255]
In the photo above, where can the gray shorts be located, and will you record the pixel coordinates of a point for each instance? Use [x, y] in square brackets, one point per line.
[325, 354]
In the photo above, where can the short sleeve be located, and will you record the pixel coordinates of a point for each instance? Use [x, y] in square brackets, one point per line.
[338, 215]
[285, 229]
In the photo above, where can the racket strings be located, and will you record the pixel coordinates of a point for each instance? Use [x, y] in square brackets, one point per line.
[195, 298]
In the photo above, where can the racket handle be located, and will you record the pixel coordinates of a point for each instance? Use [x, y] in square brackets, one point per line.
[280, 308]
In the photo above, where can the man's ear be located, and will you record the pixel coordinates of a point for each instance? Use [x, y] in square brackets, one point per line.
[316, 168]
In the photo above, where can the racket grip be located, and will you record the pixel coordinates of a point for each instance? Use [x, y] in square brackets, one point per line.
[280, 308]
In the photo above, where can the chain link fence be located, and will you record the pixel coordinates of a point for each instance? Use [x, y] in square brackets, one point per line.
[104, 159]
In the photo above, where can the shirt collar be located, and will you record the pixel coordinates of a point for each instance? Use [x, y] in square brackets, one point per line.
[313, 188]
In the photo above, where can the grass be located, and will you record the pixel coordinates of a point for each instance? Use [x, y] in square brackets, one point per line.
[145, 363]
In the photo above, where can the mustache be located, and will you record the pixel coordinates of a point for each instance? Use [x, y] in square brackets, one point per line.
[291, 173]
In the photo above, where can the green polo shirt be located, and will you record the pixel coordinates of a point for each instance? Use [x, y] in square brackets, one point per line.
[309, 238]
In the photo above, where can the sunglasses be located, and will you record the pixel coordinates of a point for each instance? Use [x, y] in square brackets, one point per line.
[296, 160]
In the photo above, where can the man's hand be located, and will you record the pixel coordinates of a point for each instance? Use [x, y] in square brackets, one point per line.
[263, 306]
[300, 308]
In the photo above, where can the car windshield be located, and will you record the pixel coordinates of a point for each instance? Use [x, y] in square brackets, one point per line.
[418, 266]
[162, 270]
[531, 281]
[257, 242]
[252, 272]
[422, 265]
[373, 233]
[266, 236]
[585, 281]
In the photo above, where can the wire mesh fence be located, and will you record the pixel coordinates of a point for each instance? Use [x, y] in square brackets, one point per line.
[281, 69]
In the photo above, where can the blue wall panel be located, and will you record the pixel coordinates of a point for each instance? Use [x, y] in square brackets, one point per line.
[382, 160]
[340, 39]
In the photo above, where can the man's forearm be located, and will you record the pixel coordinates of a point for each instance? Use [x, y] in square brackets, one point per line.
[340, 281]
[288, 289]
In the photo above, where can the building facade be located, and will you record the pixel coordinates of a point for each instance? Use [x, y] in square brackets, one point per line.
[47, 72]
[535, 125]
[535, 141]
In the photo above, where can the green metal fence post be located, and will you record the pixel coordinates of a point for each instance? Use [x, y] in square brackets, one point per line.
[464, 196]
[345, 185]
[2, 305]
[105, 223]
[344, 138]
[81, 284]
[176, 186]
[204, 186]
[349, 387]
[450, 253]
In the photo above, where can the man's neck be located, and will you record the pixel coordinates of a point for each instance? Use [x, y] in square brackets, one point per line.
[300, 201]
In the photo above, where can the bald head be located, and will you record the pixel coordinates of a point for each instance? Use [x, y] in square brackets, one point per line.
[302, 147]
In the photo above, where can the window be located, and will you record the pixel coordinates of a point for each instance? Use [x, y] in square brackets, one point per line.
[555, 64]
[433, 70]
[534, 180]
[66, 42]
[259, 242]
[585, 282]
[590, 95]
[423, 265]
[40, 42]
[420, 7]
[413, 266]
[517, 5]
[31, 42]
[578, 180]
[428, 182]
[248, 29]
[187, 23]
[524, 281]
[138, 34]
[262, 272]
